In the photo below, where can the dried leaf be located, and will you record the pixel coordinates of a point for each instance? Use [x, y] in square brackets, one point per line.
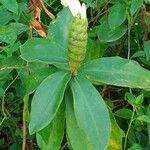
[39, 27]
[36, 7]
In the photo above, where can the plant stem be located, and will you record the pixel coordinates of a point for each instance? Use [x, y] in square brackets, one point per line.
[25, 111]
[129, 37]
[24, 128]
[3, 99]
[126, 136]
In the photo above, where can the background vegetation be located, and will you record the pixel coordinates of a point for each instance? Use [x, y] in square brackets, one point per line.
[116, 28]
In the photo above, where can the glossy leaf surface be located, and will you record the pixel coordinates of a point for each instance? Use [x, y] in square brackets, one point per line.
[45, 51]
[11, 63]
[59, 28]
[46, 100]
[91, 112]
[76, 137]
[117, 71]
[115, 142]
[50, 137]
[117, 15]
[10, 5]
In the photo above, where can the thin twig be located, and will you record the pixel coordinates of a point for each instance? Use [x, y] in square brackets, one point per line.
[104, 90]
[24, 128]
[3, 100]
[25, 108]
[64, 146]
[126, 136]
[46, 11]
[129, 37]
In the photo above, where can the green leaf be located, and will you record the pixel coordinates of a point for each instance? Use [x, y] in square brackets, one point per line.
[148, 124]
[135, 5]
[76, 137]
[47, 100]
[10, 5]
[147, 49]
[117, 71]
[5, 16]
[8, 33]
[106, 34]
[18, 27]
[144, 118]
[147, 1]
[12, 62]
[90, 3]
[44, 50]
[34, 80]
[136, 147]
[50, 137]
[59, 29]
[134, 101]
[91, 112]
[4, 74]
[2, 92]
[130, 98]
[124, 113]
[117, 15]
[139, 100]
[115, 142]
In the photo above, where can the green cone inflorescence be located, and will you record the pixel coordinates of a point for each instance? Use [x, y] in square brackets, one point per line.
[77, 43]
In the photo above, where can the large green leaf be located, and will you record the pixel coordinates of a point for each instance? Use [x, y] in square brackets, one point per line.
[34, 79]
[44, 50]
[91, 112]
[117, 15]
[106, 34]
[76, 137]
[115, 142]
[117, 71]
[10, 5]
[50, 138]
[5, 16]
[4, 74]
[47, 100]
[8, 33]
[147, 49]
[148, 124]
[59, 28]
[135, 5]
[11, 63]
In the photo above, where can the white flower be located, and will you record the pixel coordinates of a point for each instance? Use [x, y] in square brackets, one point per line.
[75, 7]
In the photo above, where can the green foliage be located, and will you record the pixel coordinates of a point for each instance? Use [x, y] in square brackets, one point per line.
[95, 126]
[51, 136]
[147, 49]
[10, 5]
[117, 15]
[46, 102]
[85, 86]
[135, 5]
[76, 136]
[115, 141]
[46, 51]
[117, 71]
[106, 34]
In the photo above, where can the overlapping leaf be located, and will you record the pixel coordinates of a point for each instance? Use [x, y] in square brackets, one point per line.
[11, 63]
[44, 50]
[76, 137]
[91, 112]
[50, 138]
[46, 100]
[117, 71]
[59, 28]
